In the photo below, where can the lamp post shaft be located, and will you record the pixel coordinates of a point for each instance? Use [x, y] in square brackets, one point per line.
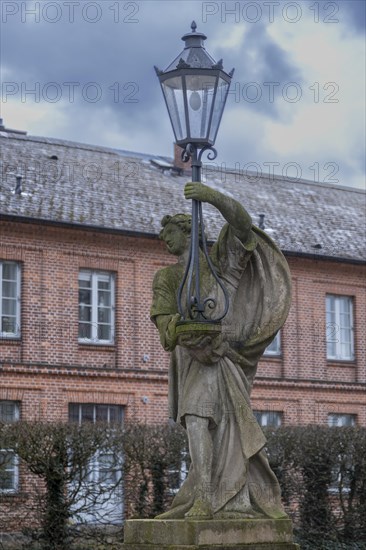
[195, 242]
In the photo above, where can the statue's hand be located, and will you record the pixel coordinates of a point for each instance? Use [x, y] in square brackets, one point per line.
[198, 191]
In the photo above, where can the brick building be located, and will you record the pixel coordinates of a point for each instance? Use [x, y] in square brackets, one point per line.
[78, 251]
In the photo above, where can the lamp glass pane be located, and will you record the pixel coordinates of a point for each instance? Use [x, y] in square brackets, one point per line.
[218, 107]
[173, 92]
[200, 92]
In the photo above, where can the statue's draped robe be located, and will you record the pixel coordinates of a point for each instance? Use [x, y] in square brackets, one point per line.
[257, 278]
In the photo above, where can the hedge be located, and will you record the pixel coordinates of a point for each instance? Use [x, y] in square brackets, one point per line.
[321, 470]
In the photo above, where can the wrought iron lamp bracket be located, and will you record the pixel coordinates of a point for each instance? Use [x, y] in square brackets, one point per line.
[196, 307]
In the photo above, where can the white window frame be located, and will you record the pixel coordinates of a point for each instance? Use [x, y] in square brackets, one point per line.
[274, 348]
[95, 276]
[264, 418]
[334, 328]
[7, 334]
[14, 466]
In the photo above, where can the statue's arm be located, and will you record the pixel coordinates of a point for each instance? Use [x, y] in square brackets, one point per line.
[233, 212]
[166, 326]
[163, 311]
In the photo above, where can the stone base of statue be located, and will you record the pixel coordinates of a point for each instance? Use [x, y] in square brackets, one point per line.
[230, 534]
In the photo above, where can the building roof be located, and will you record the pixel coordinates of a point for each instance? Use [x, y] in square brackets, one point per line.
[86, 185]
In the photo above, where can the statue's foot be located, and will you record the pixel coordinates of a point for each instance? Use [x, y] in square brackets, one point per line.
[201, 509]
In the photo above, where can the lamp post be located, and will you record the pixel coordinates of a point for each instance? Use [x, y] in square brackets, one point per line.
[195, 89]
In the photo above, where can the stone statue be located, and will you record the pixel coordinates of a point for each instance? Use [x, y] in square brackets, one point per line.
[211, 377]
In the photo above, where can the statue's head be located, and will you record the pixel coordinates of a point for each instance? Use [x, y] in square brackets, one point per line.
[176, 231]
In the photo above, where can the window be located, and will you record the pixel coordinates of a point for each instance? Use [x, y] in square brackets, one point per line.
[96, 307]
[9, 471]
[88, 412]
[341, 420]
[9, 411]
[9, 300]
[342, 472]
[274, 347]
[9, 463]
[271, 419]
[339, 327]
[177, 474]
[101, 490]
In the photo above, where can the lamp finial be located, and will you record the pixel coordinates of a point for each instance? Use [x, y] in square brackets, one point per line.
[193, 26]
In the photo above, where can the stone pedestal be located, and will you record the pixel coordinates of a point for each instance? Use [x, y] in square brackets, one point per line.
[246, 534]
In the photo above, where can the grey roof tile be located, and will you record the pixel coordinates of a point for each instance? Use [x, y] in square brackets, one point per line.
[121, 190]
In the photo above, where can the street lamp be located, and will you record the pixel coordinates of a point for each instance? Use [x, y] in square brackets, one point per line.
[195, 89]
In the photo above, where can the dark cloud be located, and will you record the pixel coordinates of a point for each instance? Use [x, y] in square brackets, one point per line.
[262, 71]
[118, 53]
[118, 57]
[354, 12]
[108, 53]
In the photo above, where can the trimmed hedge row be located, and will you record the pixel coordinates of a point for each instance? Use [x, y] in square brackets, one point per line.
[321, 470]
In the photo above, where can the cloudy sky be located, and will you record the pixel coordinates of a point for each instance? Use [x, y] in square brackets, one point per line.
[83, 71]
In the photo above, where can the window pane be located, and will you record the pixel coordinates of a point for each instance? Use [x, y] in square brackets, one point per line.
[85, 331]
[275, 346]
[9, 324]
[9, 306]
[104, 332]
[346, 351]
[104, 282]
[345, 335]
[104, 298]
[331, 318]
[345, 306]
[115, 414]
[341, 420]
[330, 302]
[107, 471]
[7, 471]
[87, 413]
[102, 413]
[269, 418]
[85, 277]
[9, 289]
[9, 411]
[345, 321]
[10, 271]
[331, 349]
[84, 296]
[104, 315]
[74, 412]
[85, 313]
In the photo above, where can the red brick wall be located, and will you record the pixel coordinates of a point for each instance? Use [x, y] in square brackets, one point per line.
[48, 367]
